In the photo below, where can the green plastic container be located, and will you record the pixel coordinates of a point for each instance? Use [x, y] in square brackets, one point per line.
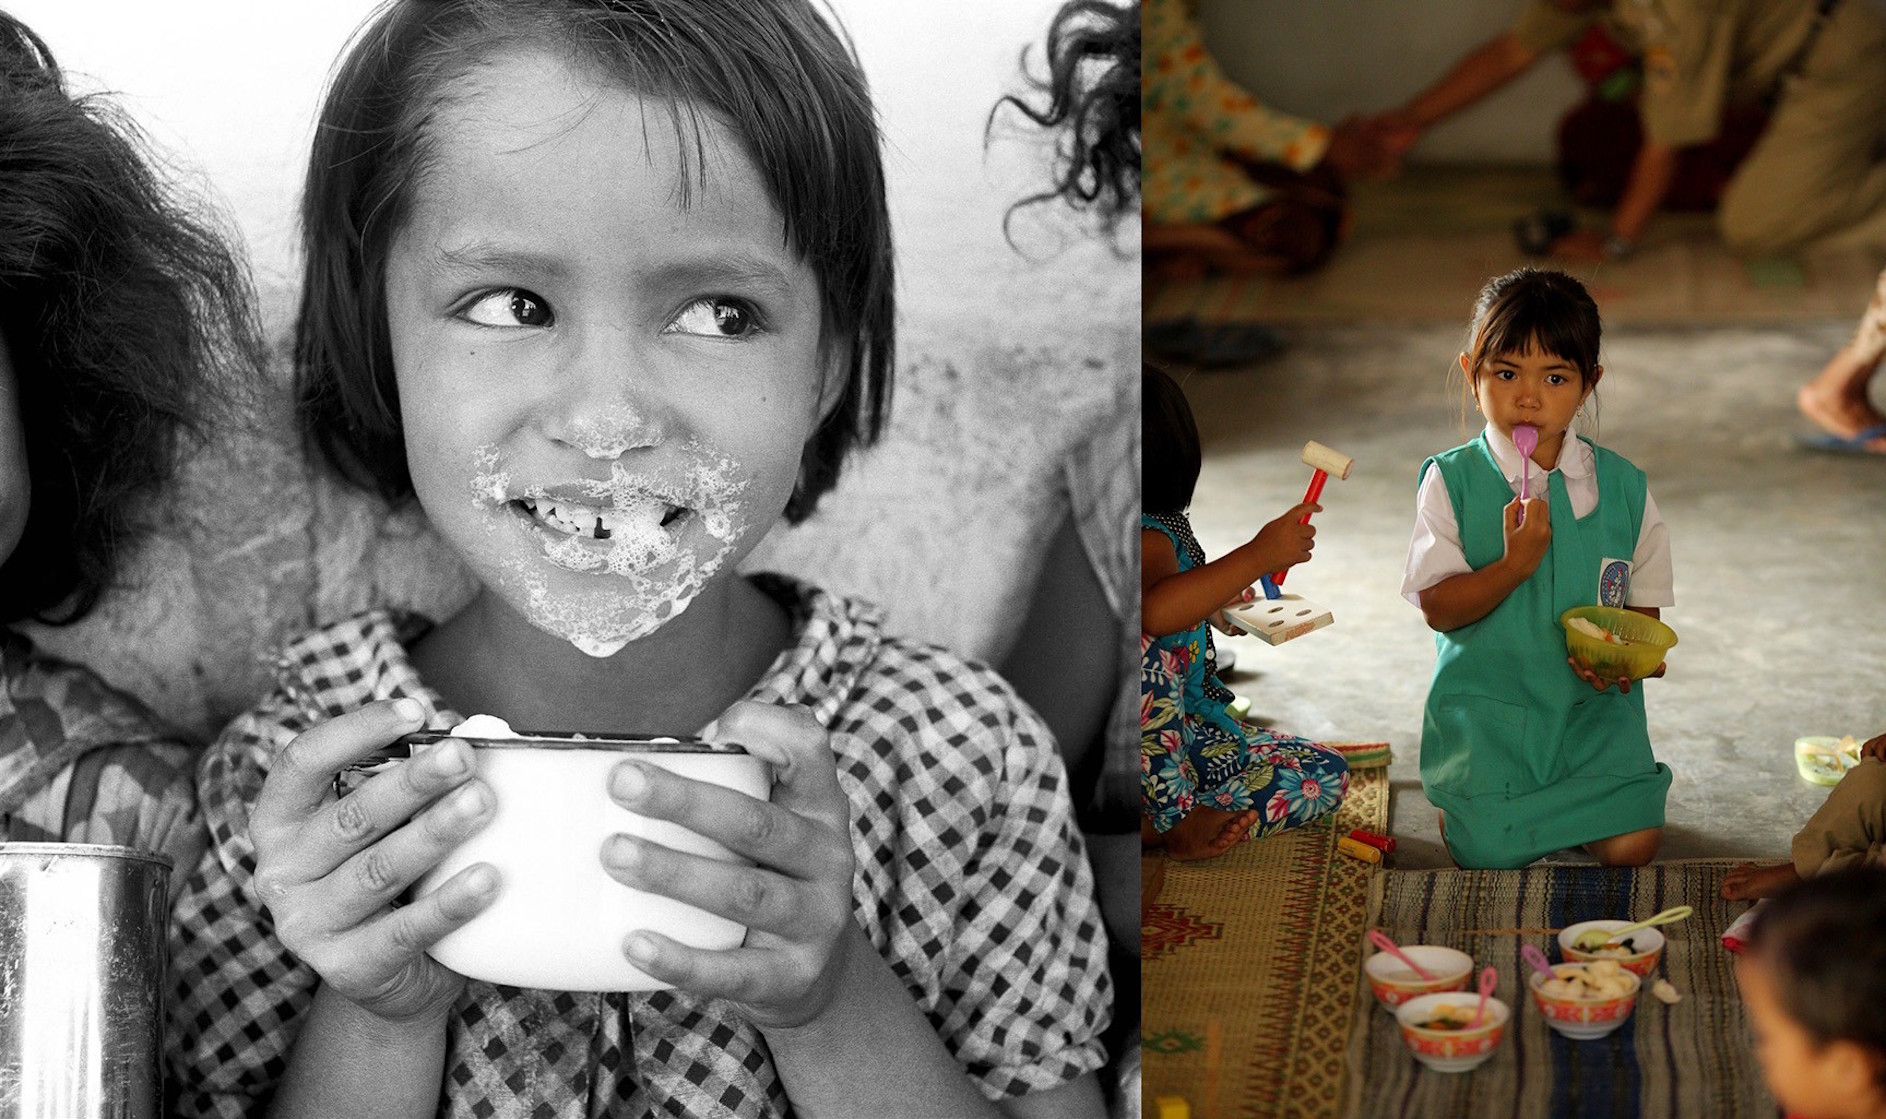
[1646, 641]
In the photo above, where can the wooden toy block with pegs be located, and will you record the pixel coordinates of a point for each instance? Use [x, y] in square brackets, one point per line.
[1277, 620]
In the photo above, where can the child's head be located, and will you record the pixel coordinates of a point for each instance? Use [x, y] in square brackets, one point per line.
[1532, 321]
[1169, 450]
[606, 285]
[118, 309]
[1814, 980]
[1093, 94]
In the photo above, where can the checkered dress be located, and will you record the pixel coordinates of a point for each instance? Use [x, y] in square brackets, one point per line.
[81, 762]
[971, 882]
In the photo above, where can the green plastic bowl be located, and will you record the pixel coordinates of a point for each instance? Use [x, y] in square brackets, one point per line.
[1648, 640]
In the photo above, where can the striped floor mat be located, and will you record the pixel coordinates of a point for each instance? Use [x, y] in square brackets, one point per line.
[1694, 1058]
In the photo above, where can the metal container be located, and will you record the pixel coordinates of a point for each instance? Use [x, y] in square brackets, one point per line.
[83, 948]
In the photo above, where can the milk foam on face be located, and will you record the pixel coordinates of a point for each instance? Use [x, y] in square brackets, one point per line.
[642, 531]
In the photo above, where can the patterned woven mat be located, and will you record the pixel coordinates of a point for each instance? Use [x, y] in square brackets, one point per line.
[1693, 1058]
[1248, 964]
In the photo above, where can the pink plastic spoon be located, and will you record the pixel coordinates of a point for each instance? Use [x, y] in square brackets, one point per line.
[1526, 441]
[1380, 939]
[1488, 977]
[1531, 954]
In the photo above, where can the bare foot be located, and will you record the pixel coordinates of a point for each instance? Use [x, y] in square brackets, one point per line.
[1837, 402]
[1208, 832]
[1836, 399]
[1749, 881]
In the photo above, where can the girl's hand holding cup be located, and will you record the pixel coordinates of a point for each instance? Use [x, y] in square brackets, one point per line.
[796, 902]
[329, 870]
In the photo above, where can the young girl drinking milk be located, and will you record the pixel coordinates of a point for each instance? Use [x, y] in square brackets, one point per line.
[118, 303]
[1523, 755]
[607, 288]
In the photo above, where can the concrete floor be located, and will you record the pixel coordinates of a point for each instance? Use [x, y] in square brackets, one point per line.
[1780, 556]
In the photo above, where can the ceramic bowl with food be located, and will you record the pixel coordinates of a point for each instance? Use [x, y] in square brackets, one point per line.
[1584, 1001]
[559, 921]
[1438, 1032]
[1616, 643]
[1638, 950]
[1393, 983]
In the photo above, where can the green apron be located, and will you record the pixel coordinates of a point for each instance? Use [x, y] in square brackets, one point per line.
[1522, 756]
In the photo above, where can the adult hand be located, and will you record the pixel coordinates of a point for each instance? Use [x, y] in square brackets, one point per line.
[329, 870]
[796, 903]
[1363, 149]
[1874, 747]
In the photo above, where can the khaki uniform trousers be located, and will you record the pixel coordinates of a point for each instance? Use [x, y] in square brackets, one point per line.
[1818, 174]
[1850, 829]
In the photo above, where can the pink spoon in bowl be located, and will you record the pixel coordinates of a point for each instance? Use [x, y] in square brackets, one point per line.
[1488, 977]
[1531, 954]
[1380, 939]
[1526, 441]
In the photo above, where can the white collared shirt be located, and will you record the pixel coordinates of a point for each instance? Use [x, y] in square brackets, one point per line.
[1435, 552]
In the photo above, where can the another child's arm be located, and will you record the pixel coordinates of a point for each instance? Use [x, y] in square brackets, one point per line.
[1172, 601]
[1466, 598]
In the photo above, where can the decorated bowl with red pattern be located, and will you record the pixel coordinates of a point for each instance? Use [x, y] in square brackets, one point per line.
[1588, 1017]
[1438, 1032]
[1393, 983]
[1639, 954]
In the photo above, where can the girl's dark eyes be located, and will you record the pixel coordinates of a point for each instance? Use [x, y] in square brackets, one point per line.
[710, 316]
[715, 316]
[509, 307]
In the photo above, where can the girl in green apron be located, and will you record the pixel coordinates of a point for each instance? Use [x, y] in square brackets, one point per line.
[1208, 780]
[1523, 750]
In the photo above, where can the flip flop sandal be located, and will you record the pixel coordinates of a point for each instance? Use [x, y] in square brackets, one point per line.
[1856, 444]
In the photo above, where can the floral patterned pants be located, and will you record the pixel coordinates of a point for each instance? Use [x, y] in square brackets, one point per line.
[1204, 756]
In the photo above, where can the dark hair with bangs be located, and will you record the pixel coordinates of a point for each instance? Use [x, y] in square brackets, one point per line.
[1535, 310]
[791, 88]
[1824, 941]
[1092, 88]
[121, 309]
[1170, 457]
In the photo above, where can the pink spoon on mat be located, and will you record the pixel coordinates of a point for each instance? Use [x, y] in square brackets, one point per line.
[1531, 954]
[1526, 441]
[1380, 939]
[1488, 978]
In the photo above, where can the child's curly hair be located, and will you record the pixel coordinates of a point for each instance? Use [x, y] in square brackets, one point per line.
[1096, 164]
[117, 306]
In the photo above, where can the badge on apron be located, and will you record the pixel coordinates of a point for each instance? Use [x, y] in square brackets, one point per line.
[1614, 582]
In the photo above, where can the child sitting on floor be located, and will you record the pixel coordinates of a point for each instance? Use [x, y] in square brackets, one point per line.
[1848, 829]
[1517, 752]
[117, 303]
[1208, 780]
[1814, 980]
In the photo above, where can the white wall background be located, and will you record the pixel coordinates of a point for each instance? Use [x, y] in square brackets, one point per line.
[230, 87]
[1329, 58]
